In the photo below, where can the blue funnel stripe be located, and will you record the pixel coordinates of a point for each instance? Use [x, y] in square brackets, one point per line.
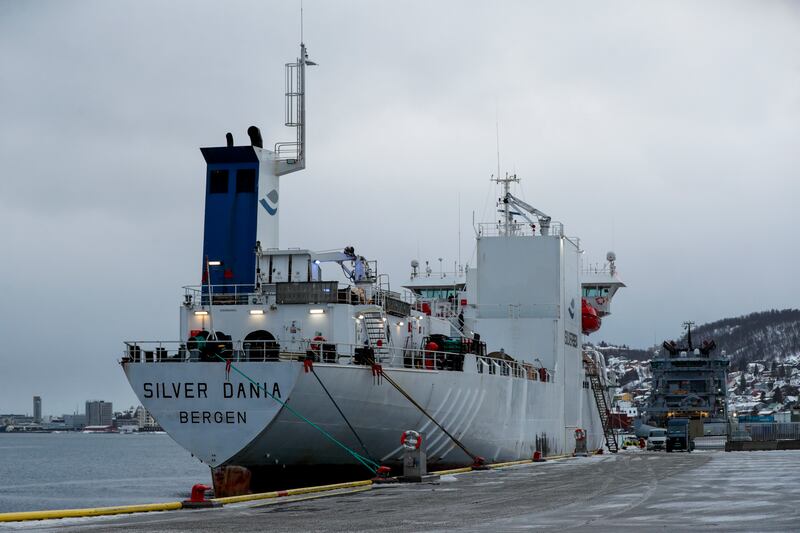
[270, 210]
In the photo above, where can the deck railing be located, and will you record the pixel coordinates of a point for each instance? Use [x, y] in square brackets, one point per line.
[493, 229]
[317, 292]
[324, 352]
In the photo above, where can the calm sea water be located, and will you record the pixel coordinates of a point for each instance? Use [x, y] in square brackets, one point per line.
[70, 470]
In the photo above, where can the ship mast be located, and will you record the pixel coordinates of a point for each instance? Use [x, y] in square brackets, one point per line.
[507, 216]
[291, 156]
[688, 326]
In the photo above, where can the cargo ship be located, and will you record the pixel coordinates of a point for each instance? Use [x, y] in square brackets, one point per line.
[295, 359]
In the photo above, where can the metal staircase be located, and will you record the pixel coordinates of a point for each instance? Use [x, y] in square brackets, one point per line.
[602, 406]
[375, 327]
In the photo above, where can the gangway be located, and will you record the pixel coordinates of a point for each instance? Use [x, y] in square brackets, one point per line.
[602, 406]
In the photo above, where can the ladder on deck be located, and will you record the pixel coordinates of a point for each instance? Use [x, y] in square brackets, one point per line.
[375, 327]
[602, 406]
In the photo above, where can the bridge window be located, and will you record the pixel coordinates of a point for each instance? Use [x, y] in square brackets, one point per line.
[218, 182]
[246, 180]
[438, 294]
[593, 292]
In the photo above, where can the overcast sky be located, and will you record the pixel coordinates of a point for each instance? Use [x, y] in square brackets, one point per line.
[666, 131]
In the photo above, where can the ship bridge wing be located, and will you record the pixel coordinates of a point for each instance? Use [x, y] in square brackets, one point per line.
[599, 284]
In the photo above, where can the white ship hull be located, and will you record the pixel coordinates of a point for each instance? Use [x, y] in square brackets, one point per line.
[497, 417]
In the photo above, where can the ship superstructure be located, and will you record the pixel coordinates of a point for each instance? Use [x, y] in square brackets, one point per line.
[292, 358]
[689, 381]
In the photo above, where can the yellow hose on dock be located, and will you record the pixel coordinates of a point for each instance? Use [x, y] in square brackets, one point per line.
[92, 511]
[290, 492]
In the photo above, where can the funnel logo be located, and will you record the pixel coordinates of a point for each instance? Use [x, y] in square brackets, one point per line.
[272, 196]
[571, 308]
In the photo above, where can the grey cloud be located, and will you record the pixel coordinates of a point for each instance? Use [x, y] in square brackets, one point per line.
[668, 132]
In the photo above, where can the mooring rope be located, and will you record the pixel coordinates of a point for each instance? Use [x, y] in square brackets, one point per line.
[476, 458]
[364, 446]
[369, 464]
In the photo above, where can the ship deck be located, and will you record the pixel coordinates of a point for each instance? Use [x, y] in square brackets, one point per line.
[708, 490]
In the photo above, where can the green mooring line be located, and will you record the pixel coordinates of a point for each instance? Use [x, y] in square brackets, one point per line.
[368, 463]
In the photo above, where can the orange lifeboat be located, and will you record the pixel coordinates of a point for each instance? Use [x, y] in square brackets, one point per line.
[590, 321]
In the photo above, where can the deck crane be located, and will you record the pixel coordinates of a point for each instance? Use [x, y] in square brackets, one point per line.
[544, 220]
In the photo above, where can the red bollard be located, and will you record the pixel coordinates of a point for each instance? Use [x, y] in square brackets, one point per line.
[537, 457]
[479, 463]
[199, 493]
[382, 475]
[198, 498]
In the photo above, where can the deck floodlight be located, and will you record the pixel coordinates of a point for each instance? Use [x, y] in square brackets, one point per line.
[214, 263]
[256, 311]
[201, 313]
[316, 311]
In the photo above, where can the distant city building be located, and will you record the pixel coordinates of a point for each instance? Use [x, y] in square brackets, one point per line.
[75, 421]
[144, 418]
[126, 418]
[99, 413]
[55, 422]
[9, 419]
[37, 409]
[15, 420]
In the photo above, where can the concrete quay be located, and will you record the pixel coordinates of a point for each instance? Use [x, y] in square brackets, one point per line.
[708, 490]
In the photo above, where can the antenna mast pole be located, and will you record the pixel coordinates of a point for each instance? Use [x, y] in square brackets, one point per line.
[506, 183]
[291, 156]
[301, 128]
[497, 139]
[459, 231]
[688, 326]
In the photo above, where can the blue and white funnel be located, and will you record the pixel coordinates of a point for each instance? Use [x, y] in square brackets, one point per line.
[242, 197]
[242, 193]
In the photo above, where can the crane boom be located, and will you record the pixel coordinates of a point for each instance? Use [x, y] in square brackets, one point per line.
[544, 219]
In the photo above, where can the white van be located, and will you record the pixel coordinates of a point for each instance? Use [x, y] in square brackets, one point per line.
[657, 439]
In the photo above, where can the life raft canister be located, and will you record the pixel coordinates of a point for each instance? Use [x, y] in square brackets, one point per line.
[590, 320]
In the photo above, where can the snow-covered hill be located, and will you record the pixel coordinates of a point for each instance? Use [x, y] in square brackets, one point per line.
[764, 337]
